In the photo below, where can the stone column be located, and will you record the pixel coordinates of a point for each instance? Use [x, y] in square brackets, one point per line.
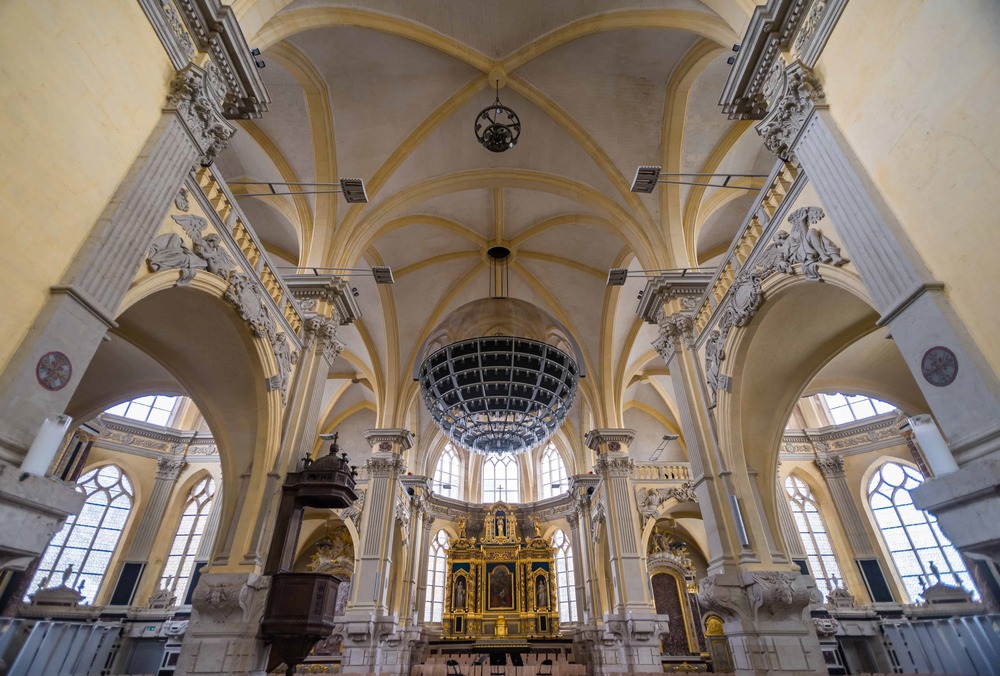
[632, 618]
[789, 529]
[369, 626]
[832, 469]
[752, 585]
[954, 377]
[151, 526]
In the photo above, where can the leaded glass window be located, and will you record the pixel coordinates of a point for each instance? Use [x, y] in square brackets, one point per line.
[845, 408]
[447, 474]
[88, 540]
[554, 479]
[812, 532]
[918, 548]
[437, 561]
[501, 479]
[154, 409]
[180, 559]
[565, 580]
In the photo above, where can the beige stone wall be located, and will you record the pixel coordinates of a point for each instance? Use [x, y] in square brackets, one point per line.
[82, 86]
[914, 87]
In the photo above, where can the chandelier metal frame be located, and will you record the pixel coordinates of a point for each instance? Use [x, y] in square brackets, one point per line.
[498, 394]
[497, 126]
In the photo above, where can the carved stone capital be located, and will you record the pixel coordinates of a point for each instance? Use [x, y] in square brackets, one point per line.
[830, 466]
[229, 598]
[385, 467]
[764, 595]
[353, 512]
[724, 595]
[796, 92]
[169, 467]
[573, 519]
[676, 330]
[614, 465]
[322, 331]
[197, 96]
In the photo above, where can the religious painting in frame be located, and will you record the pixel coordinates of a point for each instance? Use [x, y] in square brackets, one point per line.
[500, 586]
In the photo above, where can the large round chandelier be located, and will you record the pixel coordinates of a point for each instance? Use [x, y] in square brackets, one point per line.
[498, 394]
[497, 126]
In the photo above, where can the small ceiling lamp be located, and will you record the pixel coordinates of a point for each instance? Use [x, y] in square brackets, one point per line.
[497, 126]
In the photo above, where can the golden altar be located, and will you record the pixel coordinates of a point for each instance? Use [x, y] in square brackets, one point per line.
[500, 584]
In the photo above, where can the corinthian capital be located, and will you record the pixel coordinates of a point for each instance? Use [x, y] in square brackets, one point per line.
[169, 467]
[796, 92]
[323, 331]
[830, 466]
[197, 96]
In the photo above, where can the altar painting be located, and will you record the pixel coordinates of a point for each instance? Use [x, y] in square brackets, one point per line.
[500, 592]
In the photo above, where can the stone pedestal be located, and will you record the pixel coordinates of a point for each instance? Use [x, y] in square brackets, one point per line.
[765, 616]
[373, 643]
[222, 636]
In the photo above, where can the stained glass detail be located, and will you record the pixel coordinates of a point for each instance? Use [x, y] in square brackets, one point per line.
[88, 541]
[554, 479]
[501, 479]
[437, 560]
[448, 474]
[913, 538]
[812, 532]
[565, 580]
[187, 538]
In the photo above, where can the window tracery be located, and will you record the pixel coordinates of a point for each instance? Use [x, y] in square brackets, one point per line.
[501, 479]
[565, 580]
[437, 561]
[448, 474]
[187, 538]
[554, 478]
[88, 540]
[812, 532]
[921, 553]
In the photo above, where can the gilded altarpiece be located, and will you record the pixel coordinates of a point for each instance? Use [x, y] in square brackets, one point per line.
[500, 584]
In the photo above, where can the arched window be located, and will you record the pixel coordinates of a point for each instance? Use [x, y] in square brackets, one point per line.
[917, 546]
[437, 560]
[565, 580]
[812, 532]
[501, 479]
[845, 408]
[88, 540]
[180, 560]
[447, 474]
[554, 479]
[155, 410]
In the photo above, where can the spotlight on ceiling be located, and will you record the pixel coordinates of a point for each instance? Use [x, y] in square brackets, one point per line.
[617, 276]
[667, 438]
[645, 179]
[354, 190]
[382, 274]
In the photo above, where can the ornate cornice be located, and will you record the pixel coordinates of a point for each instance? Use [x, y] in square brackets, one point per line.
[595, 439]
[393, 436]
[687, 285]
[331, 289]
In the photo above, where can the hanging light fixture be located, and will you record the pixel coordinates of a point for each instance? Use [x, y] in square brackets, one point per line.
[497, 126]
[502, 386]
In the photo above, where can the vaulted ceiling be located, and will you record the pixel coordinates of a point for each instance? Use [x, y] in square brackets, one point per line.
[387, 90]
